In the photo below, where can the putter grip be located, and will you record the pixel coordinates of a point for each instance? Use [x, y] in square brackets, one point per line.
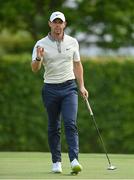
[89, 107]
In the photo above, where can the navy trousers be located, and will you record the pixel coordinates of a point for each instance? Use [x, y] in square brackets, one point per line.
[62, 100]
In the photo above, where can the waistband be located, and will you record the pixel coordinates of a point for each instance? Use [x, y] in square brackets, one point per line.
[61, 84]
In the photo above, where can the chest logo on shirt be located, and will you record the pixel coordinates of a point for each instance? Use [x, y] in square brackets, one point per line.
[68, 49]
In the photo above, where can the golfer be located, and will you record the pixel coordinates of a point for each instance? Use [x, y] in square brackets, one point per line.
[59, 54]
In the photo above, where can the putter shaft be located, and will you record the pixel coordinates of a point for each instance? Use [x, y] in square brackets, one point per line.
[95, 124]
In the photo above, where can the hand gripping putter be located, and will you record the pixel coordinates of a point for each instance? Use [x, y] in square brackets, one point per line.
[110, 167]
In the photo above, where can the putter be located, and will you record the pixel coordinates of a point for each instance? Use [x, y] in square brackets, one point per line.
[110, 167]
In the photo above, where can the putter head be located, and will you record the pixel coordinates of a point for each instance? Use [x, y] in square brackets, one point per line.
[111, 167]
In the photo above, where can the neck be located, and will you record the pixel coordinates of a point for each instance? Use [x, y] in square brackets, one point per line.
[57, 37]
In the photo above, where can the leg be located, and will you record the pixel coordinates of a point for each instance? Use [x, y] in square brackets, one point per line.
[69, 113]
[52, 104]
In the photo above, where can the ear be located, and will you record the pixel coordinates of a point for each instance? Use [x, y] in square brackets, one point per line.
[49, 23]
[65, 24]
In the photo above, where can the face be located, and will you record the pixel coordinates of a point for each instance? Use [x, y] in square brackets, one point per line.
[57, 26]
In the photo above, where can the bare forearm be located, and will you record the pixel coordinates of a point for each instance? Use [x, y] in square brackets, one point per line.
[78, 71]
[36, 65]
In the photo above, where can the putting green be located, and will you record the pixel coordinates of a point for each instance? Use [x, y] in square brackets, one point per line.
[27, 165]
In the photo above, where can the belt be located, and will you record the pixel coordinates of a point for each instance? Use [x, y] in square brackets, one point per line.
[62, 84]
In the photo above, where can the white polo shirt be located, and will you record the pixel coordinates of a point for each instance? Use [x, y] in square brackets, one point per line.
[58, 58]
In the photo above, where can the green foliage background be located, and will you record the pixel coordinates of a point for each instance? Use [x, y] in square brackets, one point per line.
[23, 120]
[111, 22]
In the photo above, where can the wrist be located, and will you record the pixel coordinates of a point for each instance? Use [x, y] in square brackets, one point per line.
[38, 59]
[81, 86]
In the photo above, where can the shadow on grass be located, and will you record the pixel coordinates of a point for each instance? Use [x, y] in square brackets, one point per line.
[34, 175]
[63, 174]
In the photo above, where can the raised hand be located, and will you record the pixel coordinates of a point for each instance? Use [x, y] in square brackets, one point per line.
[40, 52]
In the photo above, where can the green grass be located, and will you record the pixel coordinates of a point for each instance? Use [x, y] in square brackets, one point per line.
[23, 165]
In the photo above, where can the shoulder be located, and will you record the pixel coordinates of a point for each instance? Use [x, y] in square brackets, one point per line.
[43, 40]
[70, 38]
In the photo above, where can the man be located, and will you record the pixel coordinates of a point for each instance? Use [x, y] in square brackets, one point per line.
[59, 53]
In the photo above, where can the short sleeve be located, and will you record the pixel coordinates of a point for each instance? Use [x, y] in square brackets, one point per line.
[76, 56]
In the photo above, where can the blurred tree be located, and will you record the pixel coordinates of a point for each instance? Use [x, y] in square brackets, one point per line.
[28, 15]
[111, 22]
[108, 24]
